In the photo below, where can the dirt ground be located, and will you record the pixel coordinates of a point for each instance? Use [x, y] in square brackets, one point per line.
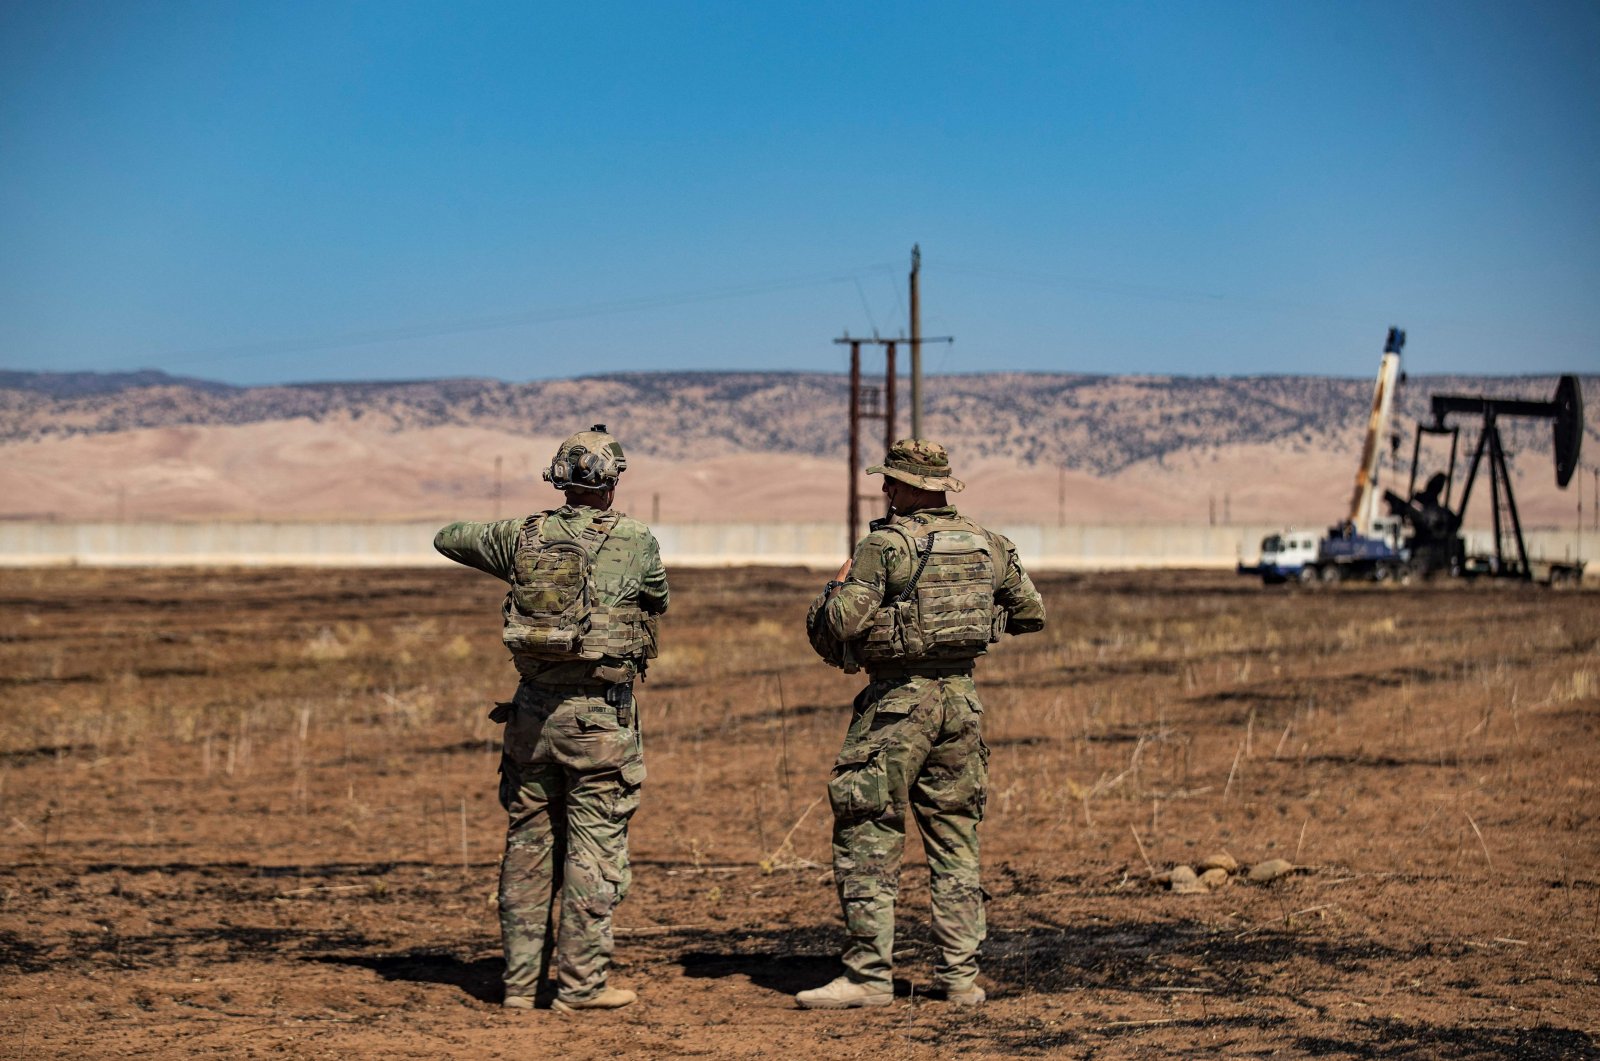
[251, 814]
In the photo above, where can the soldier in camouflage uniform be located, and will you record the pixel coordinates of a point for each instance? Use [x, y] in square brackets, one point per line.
[925, 594]
[572, 762]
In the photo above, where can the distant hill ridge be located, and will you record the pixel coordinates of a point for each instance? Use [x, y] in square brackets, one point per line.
[1096, 424]
[79, 384]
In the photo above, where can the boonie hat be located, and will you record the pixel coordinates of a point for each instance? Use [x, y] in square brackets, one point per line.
[920, 462]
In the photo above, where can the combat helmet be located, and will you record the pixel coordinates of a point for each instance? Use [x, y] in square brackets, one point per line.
[589, 460]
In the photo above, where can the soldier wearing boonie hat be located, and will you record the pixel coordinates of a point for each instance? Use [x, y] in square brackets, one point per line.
[925, 594]
[920, 463]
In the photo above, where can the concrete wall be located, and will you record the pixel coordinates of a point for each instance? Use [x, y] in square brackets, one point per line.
[817, 545]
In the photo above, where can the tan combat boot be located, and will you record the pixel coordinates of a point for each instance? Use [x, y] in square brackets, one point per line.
[610, 998]
[844, 993]
[517, 1002]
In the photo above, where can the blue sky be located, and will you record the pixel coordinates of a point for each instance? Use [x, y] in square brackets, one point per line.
[265, 192]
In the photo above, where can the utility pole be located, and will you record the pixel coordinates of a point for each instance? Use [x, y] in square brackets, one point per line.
[871, 412]
[916, 343]
[864, 406]
[887, 413]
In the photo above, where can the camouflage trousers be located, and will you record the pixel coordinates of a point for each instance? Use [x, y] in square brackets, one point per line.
[913, 745]
[570, 780]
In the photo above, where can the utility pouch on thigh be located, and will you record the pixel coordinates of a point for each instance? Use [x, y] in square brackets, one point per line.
[501, 712]
[859, 787]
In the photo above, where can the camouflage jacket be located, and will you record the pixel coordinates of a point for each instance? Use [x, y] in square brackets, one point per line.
[627, 570]
[882, 567]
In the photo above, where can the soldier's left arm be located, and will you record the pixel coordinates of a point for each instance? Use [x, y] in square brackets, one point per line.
[1023, 606]
[850, 609]
[489, 547]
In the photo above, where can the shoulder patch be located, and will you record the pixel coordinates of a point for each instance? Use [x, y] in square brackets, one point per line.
[890, 535]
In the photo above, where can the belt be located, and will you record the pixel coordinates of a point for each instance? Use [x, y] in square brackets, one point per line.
[599, 676]
[923, 669]
[570, 688]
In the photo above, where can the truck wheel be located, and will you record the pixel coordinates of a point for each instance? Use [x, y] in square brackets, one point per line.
[1331, 573]
[1382, 573]
[1308, 574]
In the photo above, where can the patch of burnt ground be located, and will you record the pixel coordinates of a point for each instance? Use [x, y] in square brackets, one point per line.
[1394, 1039]
[1143, 955]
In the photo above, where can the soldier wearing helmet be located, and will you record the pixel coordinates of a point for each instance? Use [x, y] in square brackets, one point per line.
[590, 460]
[926, 593]
[586, 586]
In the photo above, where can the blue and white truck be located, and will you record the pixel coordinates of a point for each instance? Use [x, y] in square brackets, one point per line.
[1283, 556]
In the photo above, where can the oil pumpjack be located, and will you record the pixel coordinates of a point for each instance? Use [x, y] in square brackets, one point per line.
[1422, 533]
[1434, 542]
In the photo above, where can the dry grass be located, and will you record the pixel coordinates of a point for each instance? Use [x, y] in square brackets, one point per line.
[175, 743]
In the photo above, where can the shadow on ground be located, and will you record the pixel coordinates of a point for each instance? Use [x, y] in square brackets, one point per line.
[779, 960]
[478, 977]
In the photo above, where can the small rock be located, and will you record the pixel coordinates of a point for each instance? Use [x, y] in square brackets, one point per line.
[1185, 882]
[1214, 878]
[1220, 860]
[1271, 869]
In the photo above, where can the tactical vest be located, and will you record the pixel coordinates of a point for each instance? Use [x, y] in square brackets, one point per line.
[553, 611]
[947, 611]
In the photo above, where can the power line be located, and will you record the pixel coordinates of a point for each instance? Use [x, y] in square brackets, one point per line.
[514, 320]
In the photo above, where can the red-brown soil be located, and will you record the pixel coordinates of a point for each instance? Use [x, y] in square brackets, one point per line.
[252, 814]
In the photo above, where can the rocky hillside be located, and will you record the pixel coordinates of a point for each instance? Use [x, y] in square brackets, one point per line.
[1099, 425]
